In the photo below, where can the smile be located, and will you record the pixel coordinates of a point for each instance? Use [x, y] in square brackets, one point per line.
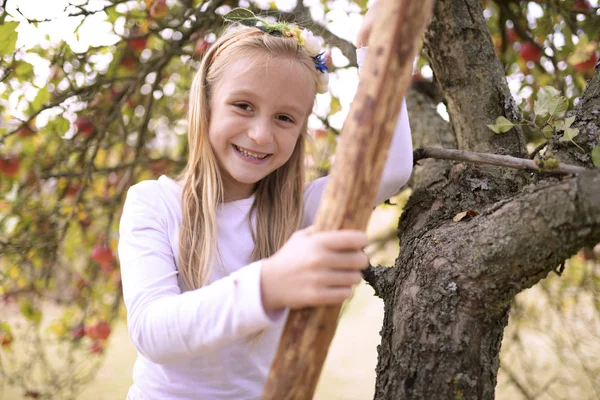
[251, 154]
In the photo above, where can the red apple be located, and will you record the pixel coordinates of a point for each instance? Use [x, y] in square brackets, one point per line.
[96, 347]
[588, 64]
[512, 35]
[102, 330]
[6, 338]
[72, 189]
[159, 9]
[85, 126]
[78, 332]
[529, 52]
[9, 165]
[138, 44]
[581, 5]
[129, 61]
[102, 255]
[25, 131]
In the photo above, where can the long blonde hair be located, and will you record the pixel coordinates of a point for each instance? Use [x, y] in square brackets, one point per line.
[278, 202]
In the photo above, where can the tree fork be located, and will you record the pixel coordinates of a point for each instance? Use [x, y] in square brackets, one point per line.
[352, 188]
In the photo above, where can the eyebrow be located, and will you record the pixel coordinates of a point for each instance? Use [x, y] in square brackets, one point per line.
[249, 93]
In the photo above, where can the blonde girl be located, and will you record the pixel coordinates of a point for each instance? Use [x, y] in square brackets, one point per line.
[221, 254]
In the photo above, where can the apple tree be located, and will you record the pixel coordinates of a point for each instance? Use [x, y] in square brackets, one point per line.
[81, 123]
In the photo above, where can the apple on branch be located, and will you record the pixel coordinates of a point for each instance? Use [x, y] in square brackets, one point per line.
[587, 65]
[85, 126]
[10, 165]
[159, 9]
[529, 52]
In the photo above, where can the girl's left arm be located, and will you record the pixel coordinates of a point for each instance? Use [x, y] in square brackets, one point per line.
[397, 170]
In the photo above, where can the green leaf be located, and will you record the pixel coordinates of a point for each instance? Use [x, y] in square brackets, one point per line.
[8, 33]
[596, 156]
[42, 97]
[502, 125]
[24, 70]
[569, 133]
[335, 105]
[240, 15]
[549, 102]
[62, 125]
[569, 121]
[29, 311]
[112, 14]
[547, 131]
[562, 106]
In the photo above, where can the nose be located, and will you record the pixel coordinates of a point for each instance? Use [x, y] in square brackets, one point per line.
[260, 131]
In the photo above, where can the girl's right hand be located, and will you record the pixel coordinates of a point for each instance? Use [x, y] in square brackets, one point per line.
[313, 269]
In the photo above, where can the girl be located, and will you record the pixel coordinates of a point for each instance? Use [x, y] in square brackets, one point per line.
[211, 260]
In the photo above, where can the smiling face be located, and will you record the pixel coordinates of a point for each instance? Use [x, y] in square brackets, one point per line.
[258, 110]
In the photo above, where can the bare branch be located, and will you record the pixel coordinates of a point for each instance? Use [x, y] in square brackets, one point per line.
[494, 159]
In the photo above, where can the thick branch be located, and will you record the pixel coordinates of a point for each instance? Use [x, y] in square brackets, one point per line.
[515, 243]
[471, 77]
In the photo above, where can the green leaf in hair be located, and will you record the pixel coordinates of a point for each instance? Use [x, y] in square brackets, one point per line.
[241, 15]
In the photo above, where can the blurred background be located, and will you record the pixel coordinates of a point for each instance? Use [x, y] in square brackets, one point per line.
[93, 99]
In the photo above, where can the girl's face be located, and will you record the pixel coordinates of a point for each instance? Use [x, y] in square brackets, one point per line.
[258, 110]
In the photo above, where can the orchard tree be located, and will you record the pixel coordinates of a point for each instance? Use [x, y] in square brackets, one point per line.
[83, 124]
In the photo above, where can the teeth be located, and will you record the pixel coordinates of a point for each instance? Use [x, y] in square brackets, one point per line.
[250, 154]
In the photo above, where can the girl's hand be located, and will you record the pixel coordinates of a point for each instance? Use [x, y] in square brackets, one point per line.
[362, 39]
[313, 269]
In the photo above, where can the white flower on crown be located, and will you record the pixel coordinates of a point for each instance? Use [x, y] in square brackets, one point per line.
[311, 43]
[323, 85]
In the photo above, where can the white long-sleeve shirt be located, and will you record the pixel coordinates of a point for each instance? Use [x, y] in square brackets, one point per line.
[194, 344]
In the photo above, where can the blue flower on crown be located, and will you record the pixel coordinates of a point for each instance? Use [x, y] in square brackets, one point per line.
[320, 62]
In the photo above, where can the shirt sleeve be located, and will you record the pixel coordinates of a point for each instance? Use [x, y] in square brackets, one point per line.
[166, 325]
[397, 169]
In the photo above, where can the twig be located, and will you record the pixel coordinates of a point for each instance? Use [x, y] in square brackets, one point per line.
[494, 159]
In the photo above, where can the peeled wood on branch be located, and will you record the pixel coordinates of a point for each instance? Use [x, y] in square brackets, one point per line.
[352, 187]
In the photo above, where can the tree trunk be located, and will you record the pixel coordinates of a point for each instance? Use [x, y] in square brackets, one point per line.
[448, 297]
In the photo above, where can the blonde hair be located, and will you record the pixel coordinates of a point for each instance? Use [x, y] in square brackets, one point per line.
[278, 202]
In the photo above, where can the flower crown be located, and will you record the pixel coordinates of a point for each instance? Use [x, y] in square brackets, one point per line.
[305, 38]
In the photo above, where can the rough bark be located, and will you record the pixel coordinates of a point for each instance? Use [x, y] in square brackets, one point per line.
[448, 297]
[466, 67]
[352, 186]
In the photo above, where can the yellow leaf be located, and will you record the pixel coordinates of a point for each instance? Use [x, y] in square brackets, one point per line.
[335, 105]
[66, 209]
[61, 184]
[58, 328]
[14, 273]
[583, 51]
[466, 215]
[101, 157]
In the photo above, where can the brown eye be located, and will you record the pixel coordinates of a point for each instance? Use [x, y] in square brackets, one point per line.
[242, 106]
[285, 118]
